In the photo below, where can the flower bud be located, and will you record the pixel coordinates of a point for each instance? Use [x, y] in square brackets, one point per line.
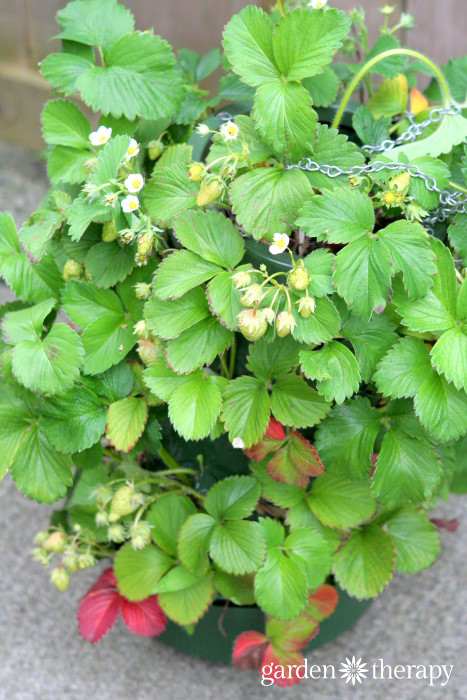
[55, 542]
[241, 279]
[60, 579]
[149, 350]
[299, 278]
[251, 295]
[116, 533]
[140, 535]
[285, 323]
[142, 290]
[155, 148]
[72, 270]
[124, 501]
[109, 232]
[196, 172]
[103, 494]
[140, 329]
[252, 324]
[101, 518]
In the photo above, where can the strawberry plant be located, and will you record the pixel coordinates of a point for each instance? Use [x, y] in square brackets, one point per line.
[239, 346]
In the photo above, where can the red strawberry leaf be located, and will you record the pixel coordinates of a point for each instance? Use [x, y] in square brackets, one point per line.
[144, 618]
[322, 602]
[291, 635]
[281, 666]
[295, 462]
[270, 442]
[450, 525]
[248, 651]
[98, 608]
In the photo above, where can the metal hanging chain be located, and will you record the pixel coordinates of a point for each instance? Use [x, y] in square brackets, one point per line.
[415, 129]
[450, 203]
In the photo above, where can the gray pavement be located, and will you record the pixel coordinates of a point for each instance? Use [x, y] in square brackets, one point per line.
[417, 620]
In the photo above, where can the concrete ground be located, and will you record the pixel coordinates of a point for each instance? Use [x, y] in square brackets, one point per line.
[417, 620]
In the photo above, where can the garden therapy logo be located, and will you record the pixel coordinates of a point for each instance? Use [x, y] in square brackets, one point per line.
[355, 671]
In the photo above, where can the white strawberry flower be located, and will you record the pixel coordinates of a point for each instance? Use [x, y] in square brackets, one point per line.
[133, 149]
[238, 443]
[130, 203]
[203, 129]
[317, 4]
[229, 131]
[134, 182]
[101, 136]
[281, 241]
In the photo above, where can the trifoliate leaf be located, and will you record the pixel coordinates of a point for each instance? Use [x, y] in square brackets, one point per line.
[411, 254]
[319, 266]
[295, 403]
[441, 408]
[167, 319]
[180, 272]
[407, 470]
[49, 366]
[237, 546]
[248, 46]
[233, 498]
[198, 345]
[322, 87]
[75, 421]
[169, 192]
[346, 437]
[163, 381]
[449, 357]
[193, 542]
[285, 119]
[83, 22]
[106, 342]
[63, 124]
[365, 563]
[362, 275]
[370, 340]
[305, 41]
[138, 571]
[84, 303]
[403, 369]
[266, 200]
[211, 235]
[268, 359]
[281, 586]
[194, 407]
[339, 216]
[307, 548]
[416, 540]
[62, 70]
[320, 327]
[224, 299]
[432, 167]
[337, 502]
[167, 515]
[335, 368]
[125, 422]
[183, 596]
[246, 409]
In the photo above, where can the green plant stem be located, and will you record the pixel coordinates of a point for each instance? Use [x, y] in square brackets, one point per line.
[168, 460]
[233, 352]
[369, 64]
[225, 369]
[457, 187]
[280, 7]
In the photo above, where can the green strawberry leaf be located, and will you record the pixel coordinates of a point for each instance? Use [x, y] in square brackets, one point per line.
[246, 409]
[416, 539]
[237, 546]
[84, 303]
[268, 359]
[295, 403]
[198, 345]
[335, 368]
[441, 408]
[365, 563]
[337, 502]
[183, 596]
[180, 272]
[37, 231]
[319, 266]
[248, 46]
[340, 215]
[224, 299]
[163, 381]
[346, 437]
[193, 542]
[63, 124]
[138, 571]
[169, 192]
[167, 516]
[109, 263]
[321, 327]
[194, 407]
[106, 341]
[307, 548]
[167, 319]
[370, 340]
[83, 22]
[449, 356]
[125, 422]
[232, 498]
[322, 87]
[403, 369]
[211, 235]
[281, 586]
[457, 232]
[332, 148]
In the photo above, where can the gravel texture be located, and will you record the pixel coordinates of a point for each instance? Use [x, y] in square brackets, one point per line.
[417, 620]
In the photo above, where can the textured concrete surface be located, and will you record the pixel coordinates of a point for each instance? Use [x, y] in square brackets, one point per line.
[417, 620]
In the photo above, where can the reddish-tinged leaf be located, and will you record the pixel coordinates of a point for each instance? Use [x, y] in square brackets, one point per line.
[322, 602]
[446, 524]
[99, 608]
[291, 635]
[281, 666]
[270, 442]
[295, 462]
[144, 618]
[248, 650]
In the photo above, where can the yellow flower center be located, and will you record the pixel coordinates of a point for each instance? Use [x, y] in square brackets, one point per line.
[389, 198]
[132, 205]
[131, 151]
[103, 138]
[281, 243]
[135, 183]
[231, 131]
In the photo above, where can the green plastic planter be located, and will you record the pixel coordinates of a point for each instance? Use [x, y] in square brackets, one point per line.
[215, 633]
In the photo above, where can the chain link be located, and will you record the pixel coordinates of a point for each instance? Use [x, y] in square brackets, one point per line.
[450, 203]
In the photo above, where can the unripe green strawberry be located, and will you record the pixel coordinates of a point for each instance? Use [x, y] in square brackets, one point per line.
[306, 306]
[209, 192]
[109, 232]
[60, 579]
[55, 542]
[72, 270]
[41, 556]
[140, 534]
[85, 561]
[116, 533]
[299, 278]
[285, 323]
[41, 537]
[145, 243]
[252, 324]
[149, 350]
[101, 518]
[124, 501]
[196, 172]
[70, 561]
[155, 148]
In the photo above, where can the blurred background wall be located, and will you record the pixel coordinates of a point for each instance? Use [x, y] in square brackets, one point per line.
[26, 28]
